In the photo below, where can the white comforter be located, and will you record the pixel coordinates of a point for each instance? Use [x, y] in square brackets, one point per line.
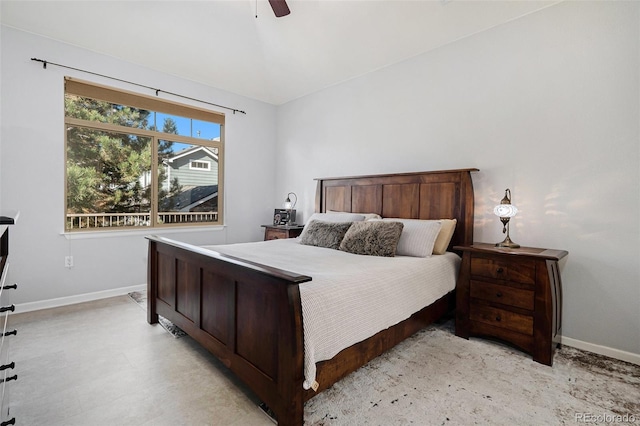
[351, 297]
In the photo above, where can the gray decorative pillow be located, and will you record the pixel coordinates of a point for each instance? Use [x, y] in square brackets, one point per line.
[324, 234]
[372, 238]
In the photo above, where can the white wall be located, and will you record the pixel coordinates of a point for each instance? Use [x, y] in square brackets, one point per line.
[546, 105]
[32, 170]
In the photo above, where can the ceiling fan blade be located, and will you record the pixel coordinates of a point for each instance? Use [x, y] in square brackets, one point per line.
[279, 7]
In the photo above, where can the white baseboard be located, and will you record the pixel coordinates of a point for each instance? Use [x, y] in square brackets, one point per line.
[70, 300]
[602, 350]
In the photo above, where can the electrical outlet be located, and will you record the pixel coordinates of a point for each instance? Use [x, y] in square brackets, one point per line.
[68, 261]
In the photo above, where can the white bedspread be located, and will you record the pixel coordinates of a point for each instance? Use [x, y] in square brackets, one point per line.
[351, 297]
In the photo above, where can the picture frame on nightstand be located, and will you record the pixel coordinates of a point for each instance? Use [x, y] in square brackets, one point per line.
[284, 217]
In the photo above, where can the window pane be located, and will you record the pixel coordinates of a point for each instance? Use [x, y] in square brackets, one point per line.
[108, 179]
[206, 130]
[176, 125]
[188, 183]
[149, 103]
[173, 124]
[106, 112]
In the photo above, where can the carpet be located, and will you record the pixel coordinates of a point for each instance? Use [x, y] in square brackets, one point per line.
[437, 378]
[140, 297]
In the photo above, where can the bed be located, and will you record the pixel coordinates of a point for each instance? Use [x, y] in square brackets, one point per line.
[249, 315]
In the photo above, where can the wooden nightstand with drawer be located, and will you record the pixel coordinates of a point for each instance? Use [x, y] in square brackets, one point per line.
[514, 295]
[277, 232]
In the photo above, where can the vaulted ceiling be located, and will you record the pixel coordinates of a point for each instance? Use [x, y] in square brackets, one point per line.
[223, 44]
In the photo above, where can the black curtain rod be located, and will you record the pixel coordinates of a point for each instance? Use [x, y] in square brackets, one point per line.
[45, 63]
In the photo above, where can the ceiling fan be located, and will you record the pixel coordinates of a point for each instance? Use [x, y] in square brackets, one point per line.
[279, 7]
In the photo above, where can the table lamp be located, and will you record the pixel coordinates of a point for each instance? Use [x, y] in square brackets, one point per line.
[505, 211]
[288, 205]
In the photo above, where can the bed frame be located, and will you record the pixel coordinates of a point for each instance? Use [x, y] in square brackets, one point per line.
[249, 315]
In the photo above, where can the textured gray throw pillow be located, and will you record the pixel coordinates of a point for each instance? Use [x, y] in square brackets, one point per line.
[372, 238]
[324, 234]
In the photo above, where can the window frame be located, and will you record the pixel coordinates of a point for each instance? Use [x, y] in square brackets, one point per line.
[131, 99]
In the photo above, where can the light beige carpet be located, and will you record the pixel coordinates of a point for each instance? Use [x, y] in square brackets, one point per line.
[436, 378]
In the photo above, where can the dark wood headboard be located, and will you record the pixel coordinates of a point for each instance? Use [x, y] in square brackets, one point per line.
[445, 194]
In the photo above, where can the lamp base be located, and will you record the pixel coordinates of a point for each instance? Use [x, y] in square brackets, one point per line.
[508, 243]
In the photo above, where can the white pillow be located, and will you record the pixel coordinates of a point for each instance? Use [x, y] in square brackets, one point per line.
[367, 216]
[418, 236]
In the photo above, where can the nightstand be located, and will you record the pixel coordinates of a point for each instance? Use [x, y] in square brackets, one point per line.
[277, 232]
[514, 295]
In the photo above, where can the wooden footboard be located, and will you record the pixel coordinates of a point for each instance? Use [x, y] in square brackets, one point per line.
[247, 315]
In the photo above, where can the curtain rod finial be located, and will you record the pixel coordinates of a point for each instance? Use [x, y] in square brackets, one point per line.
[44, 63]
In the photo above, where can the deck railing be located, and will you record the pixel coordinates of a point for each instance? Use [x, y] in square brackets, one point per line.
[123, 220]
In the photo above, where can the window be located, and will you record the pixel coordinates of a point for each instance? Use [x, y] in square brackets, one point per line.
[138, 161]
[200, 165]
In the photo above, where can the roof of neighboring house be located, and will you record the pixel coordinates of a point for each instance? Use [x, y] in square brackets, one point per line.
[189, 151]
[190, 197]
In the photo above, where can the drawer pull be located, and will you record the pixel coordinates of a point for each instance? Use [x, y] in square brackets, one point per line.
[10, 308]
[499, 294]
[498, 318]
[9, 333]
[10, 287]
[4, 367]
[500, 270]
[8, 379]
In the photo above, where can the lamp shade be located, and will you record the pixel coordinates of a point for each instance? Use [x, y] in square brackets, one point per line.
[288, 204]
[505, 210]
